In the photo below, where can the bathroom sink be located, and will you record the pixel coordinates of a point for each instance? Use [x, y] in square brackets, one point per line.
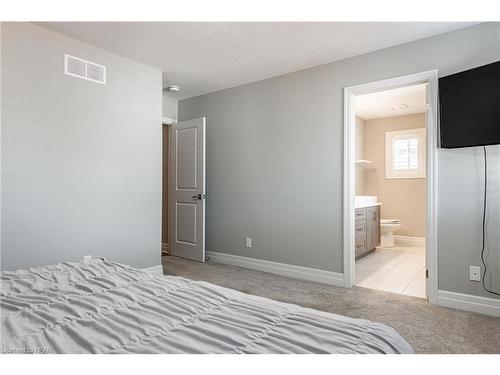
[365, 201]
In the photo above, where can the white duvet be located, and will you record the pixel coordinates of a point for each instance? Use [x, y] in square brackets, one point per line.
[106, 307]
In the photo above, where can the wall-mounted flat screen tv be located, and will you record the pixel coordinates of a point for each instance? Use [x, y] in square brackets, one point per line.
[470, 107]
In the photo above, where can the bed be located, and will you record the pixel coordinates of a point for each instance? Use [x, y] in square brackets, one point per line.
[106, 307]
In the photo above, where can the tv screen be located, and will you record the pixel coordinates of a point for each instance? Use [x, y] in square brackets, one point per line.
[470, 107]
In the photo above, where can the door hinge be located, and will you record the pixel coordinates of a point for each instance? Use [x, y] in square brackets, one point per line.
[426, 274]
[427, 106]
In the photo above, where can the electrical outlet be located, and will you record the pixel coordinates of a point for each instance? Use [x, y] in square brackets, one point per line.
[87, 258]
[474, 273]
[248, 242]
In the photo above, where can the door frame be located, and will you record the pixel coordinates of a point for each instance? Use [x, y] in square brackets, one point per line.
[431, 78]
[167, 122]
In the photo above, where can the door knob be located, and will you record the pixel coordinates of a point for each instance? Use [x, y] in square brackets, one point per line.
[199, 196]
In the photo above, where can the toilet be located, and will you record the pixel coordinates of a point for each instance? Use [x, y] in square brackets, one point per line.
[387, 229]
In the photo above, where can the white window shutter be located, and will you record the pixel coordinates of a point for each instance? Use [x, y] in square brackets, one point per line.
[405, 153]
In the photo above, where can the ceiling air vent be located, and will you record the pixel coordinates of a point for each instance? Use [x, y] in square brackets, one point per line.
[77, 67]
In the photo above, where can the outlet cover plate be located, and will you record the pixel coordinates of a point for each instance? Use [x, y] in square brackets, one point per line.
[474, 273]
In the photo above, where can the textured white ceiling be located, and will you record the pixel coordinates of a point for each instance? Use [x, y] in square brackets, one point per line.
[203, 57]
[388, 103]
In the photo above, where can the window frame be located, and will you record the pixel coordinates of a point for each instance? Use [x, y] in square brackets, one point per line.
[390, 171]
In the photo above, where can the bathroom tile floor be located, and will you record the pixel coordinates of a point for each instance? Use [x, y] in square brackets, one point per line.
[400, 269]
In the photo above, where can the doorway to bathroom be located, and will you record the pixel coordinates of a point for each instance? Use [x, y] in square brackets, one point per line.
[389, 191]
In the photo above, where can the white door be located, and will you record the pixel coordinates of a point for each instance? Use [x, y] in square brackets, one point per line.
[188, 190]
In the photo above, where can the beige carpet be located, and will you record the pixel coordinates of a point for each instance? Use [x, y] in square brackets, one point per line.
[428, 328]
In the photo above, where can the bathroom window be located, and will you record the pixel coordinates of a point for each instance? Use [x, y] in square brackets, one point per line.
[405, 154]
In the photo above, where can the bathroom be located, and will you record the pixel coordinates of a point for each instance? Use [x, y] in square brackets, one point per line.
[391, 190]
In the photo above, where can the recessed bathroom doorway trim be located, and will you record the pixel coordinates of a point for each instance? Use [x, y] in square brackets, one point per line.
[431, 78]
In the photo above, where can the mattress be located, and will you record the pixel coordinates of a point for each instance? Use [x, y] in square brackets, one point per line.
[107, 307]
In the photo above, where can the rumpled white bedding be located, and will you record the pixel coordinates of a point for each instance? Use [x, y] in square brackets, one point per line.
[106, 307]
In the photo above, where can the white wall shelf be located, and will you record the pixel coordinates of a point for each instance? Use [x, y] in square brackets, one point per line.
[363, 163]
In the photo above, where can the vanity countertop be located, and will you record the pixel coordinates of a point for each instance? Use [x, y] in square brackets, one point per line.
[365, 205]
[364, 201]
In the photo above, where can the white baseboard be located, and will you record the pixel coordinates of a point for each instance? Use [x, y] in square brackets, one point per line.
[409, 240]
[482, 305]
[158, 268]
[305, 273]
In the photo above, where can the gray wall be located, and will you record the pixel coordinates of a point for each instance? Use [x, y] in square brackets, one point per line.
[81, 162]
[274, 161]
[169, 106]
